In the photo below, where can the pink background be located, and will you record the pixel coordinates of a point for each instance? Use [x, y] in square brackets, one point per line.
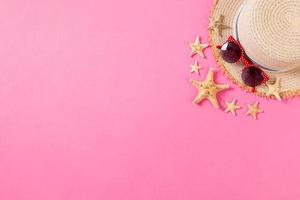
[95, 104]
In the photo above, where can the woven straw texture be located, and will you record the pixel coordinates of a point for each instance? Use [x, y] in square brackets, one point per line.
[269, 30]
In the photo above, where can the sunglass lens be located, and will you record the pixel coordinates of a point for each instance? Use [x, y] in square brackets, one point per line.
[252, 76]
[231, 52]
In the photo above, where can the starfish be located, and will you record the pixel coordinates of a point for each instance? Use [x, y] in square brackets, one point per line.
[232, 107]
[253, 110]
[195, 68]
[197, 47]
[275, 89]
[217, 25]
[208, 89]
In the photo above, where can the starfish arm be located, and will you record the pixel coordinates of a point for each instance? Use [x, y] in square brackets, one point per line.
[278, 82]
[204, 46]
[200, 51]
[214, 101]
[249, 109]
[195, 83]
[198, 99]
[201, 54]
[222, 87]
[254, 115]
[233, 112]
[229, 109]
[196, 71]
[278, 97]
[196, 64]
[210, 76]
[248, 113]
[193, 51]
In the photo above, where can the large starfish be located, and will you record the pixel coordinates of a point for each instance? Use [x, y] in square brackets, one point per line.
[208, 89]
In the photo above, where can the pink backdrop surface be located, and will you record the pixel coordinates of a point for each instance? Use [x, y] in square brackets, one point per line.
[95, 104]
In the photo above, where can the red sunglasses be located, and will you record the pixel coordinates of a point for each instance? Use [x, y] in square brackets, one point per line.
[232, 52]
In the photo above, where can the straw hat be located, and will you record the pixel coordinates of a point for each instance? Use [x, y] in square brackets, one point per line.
[269, 32]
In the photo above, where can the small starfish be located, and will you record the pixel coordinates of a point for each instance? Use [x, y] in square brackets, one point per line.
[275, 89]
[195, 68]
[208, 89]
[197, 47]
[232, 107]
[217, 25]
[253, 110]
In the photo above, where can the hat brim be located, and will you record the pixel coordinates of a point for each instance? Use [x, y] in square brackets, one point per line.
[290, 80]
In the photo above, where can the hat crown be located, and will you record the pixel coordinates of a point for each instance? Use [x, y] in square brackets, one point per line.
[269, 31]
